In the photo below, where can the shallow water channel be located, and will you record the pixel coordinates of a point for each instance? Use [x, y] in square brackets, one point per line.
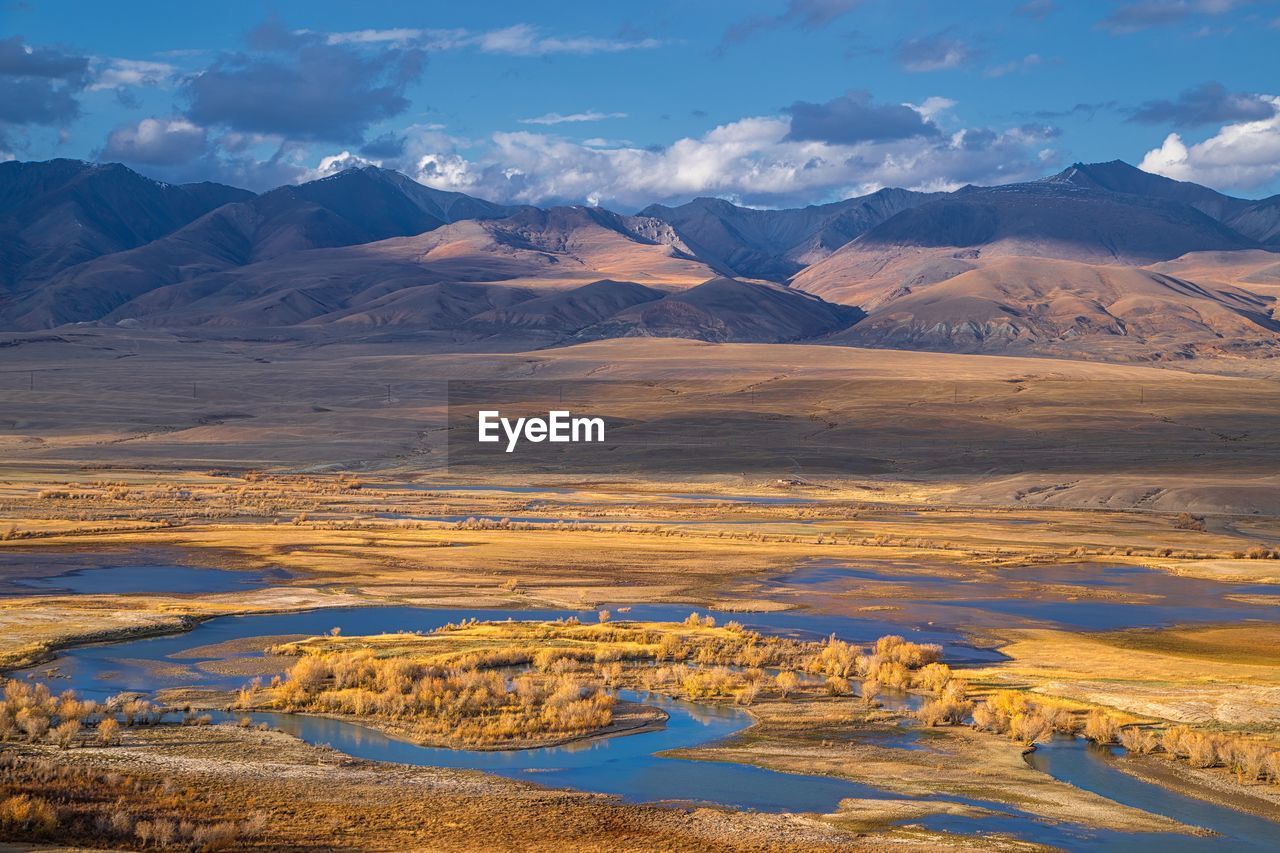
[145, 571]
[146, 580]
[633, 766]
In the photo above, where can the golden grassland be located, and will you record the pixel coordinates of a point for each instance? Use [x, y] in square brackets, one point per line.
[1208, 676]
[141, 444]
[1195, 706]
[328, 533]
[808, 725]
[1256, 644]
[376, 559]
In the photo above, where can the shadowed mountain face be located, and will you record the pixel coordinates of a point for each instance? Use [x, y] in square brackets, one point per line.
[776, 244]
[1118, 176]
[354, 207]
[358, 206]
[1100, 260]
[1260, 221]
[392, 302]
[568, 312]
[61, 213]
[1058, 218]
[1051, 219]
[726, 309]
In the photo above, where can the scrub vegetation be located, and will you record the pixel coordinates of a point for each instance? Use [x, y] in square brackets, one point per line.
[512, 684]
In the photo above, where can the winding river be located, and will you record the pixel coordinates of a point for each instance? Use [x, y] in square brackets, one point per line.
[635, 767]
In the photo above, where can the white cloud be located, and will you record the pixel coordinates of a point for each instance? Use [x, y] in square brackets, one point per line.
[1243, 155]
[933, 107]
[403, 36]
[557, 118]
[516, 40]
[335, 163]
[524, 40]
[605, 142]
[751, 160]
[156, 142]
[118, 73]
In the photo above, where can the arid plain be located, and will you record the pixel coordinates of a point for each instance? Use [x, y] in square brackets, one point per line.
[1039, 525]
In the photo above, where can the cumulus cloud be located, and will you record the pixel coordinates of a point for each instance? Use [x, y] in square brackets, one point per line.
[571, 118]
[1208, 103]
[156, 142]
[301, 87]
[754, 160]
[335, 163]
[1146, 14]
[853, 118]
[515, 40]
[934, 53]
[40, 84]
[177, 150]
[1243, 155]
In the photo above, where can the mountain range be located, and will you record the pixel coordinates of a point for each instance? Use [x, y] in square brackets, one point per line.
[1100, 260]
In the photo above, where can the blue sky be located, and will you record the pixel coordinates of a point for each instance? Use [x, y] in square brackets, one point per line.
[765, 102]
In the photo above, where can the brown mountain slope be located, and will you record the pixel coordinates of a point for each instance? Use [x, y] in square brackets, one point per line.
[1049, 219]
[1068, 308]
[1256, 270]
[534, 250]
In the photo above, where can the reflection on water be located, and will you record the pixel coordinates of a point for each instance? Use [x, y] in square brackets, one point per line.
[1091, 767]
[627, 766]
[139, 573]
[633, 767]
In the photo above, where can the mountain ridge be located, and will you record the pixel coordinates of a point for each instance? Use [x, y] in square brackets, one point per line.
[1136, 263]
[776, 244]
[60, 213]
